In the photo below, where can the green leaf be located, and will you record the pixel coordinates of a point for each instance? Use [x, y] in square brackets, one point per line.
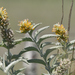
[46, 43]
[55, 56]
[52, 68]
[35, 26]
[28, 49]
[23, 51]
[50, 50]
[2, 44]
[36, 61]
[18, 41]
[7, 68]
[49, 43]
[45, 37]
[71, 43]
[51, 57]
[31, 49]
[71, 48]
[58, 44]
[18, 71]
[39, 31]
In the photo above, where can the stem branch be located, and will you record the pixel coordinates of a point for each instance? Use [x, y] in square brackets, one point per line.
[62, 11]
[69, 20]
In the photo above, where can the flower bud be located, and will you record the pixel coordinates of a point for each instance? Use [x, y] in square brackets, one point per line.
[25, 26]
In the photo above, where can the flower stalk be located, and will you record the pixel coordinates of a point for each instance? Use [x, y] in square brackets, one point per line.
[62, 11]
[69, 20]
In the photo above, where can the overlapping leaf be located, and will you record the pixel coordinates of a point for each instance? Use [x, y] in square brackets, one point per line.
[37, 61]
[51, 57]
[18, 71]
[7, 68]
[35, 26]
[71, 48]
[46, 43]
[18, 41]
[25, 50]
[45, 37]
[71, 43]
[50, 50]
[39, 31]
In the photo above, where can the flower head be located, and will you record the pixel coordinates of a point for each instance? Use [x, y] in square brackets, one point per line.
[3, 13]
[25, 26]
[60, 30]
[6, 33]
[63, 66]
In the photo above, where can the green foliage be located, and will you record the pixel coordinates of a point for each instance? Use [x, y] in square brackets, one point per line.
[37, 61]
[18, 71]
[48, 51]
[58, 62]
[45, 37]
[39, 31]
[39, 48]
[18, 41]
[70, 43]
[46, 44]
[35, 26]
[23, 51]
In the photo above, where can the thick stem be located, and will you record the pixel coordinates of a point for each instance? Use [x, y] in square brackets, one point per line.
[64, 44]
[9, 58]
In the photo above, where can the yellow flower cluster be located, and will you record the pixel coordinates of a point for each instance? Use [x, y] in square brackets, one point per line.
[3, 13]
[60, 30]
[25, 26]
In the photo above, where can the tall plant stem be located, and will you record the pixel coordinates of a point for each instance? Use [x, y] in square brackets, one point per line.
[41, 54]
[9, 55]
[69, 20]
[62, 11]
[9, 58]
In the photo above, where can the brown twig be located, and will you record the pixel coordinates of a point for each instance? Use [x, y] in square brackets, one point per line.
[69, 20]
[62, 11]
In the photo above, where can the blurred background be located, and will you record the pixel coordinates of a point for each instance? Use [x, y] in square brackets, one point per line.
[46, 11]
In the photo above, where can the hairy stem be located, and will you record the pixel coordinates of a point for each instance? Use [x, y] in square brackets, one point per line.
[8, 53]
[9, 58]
